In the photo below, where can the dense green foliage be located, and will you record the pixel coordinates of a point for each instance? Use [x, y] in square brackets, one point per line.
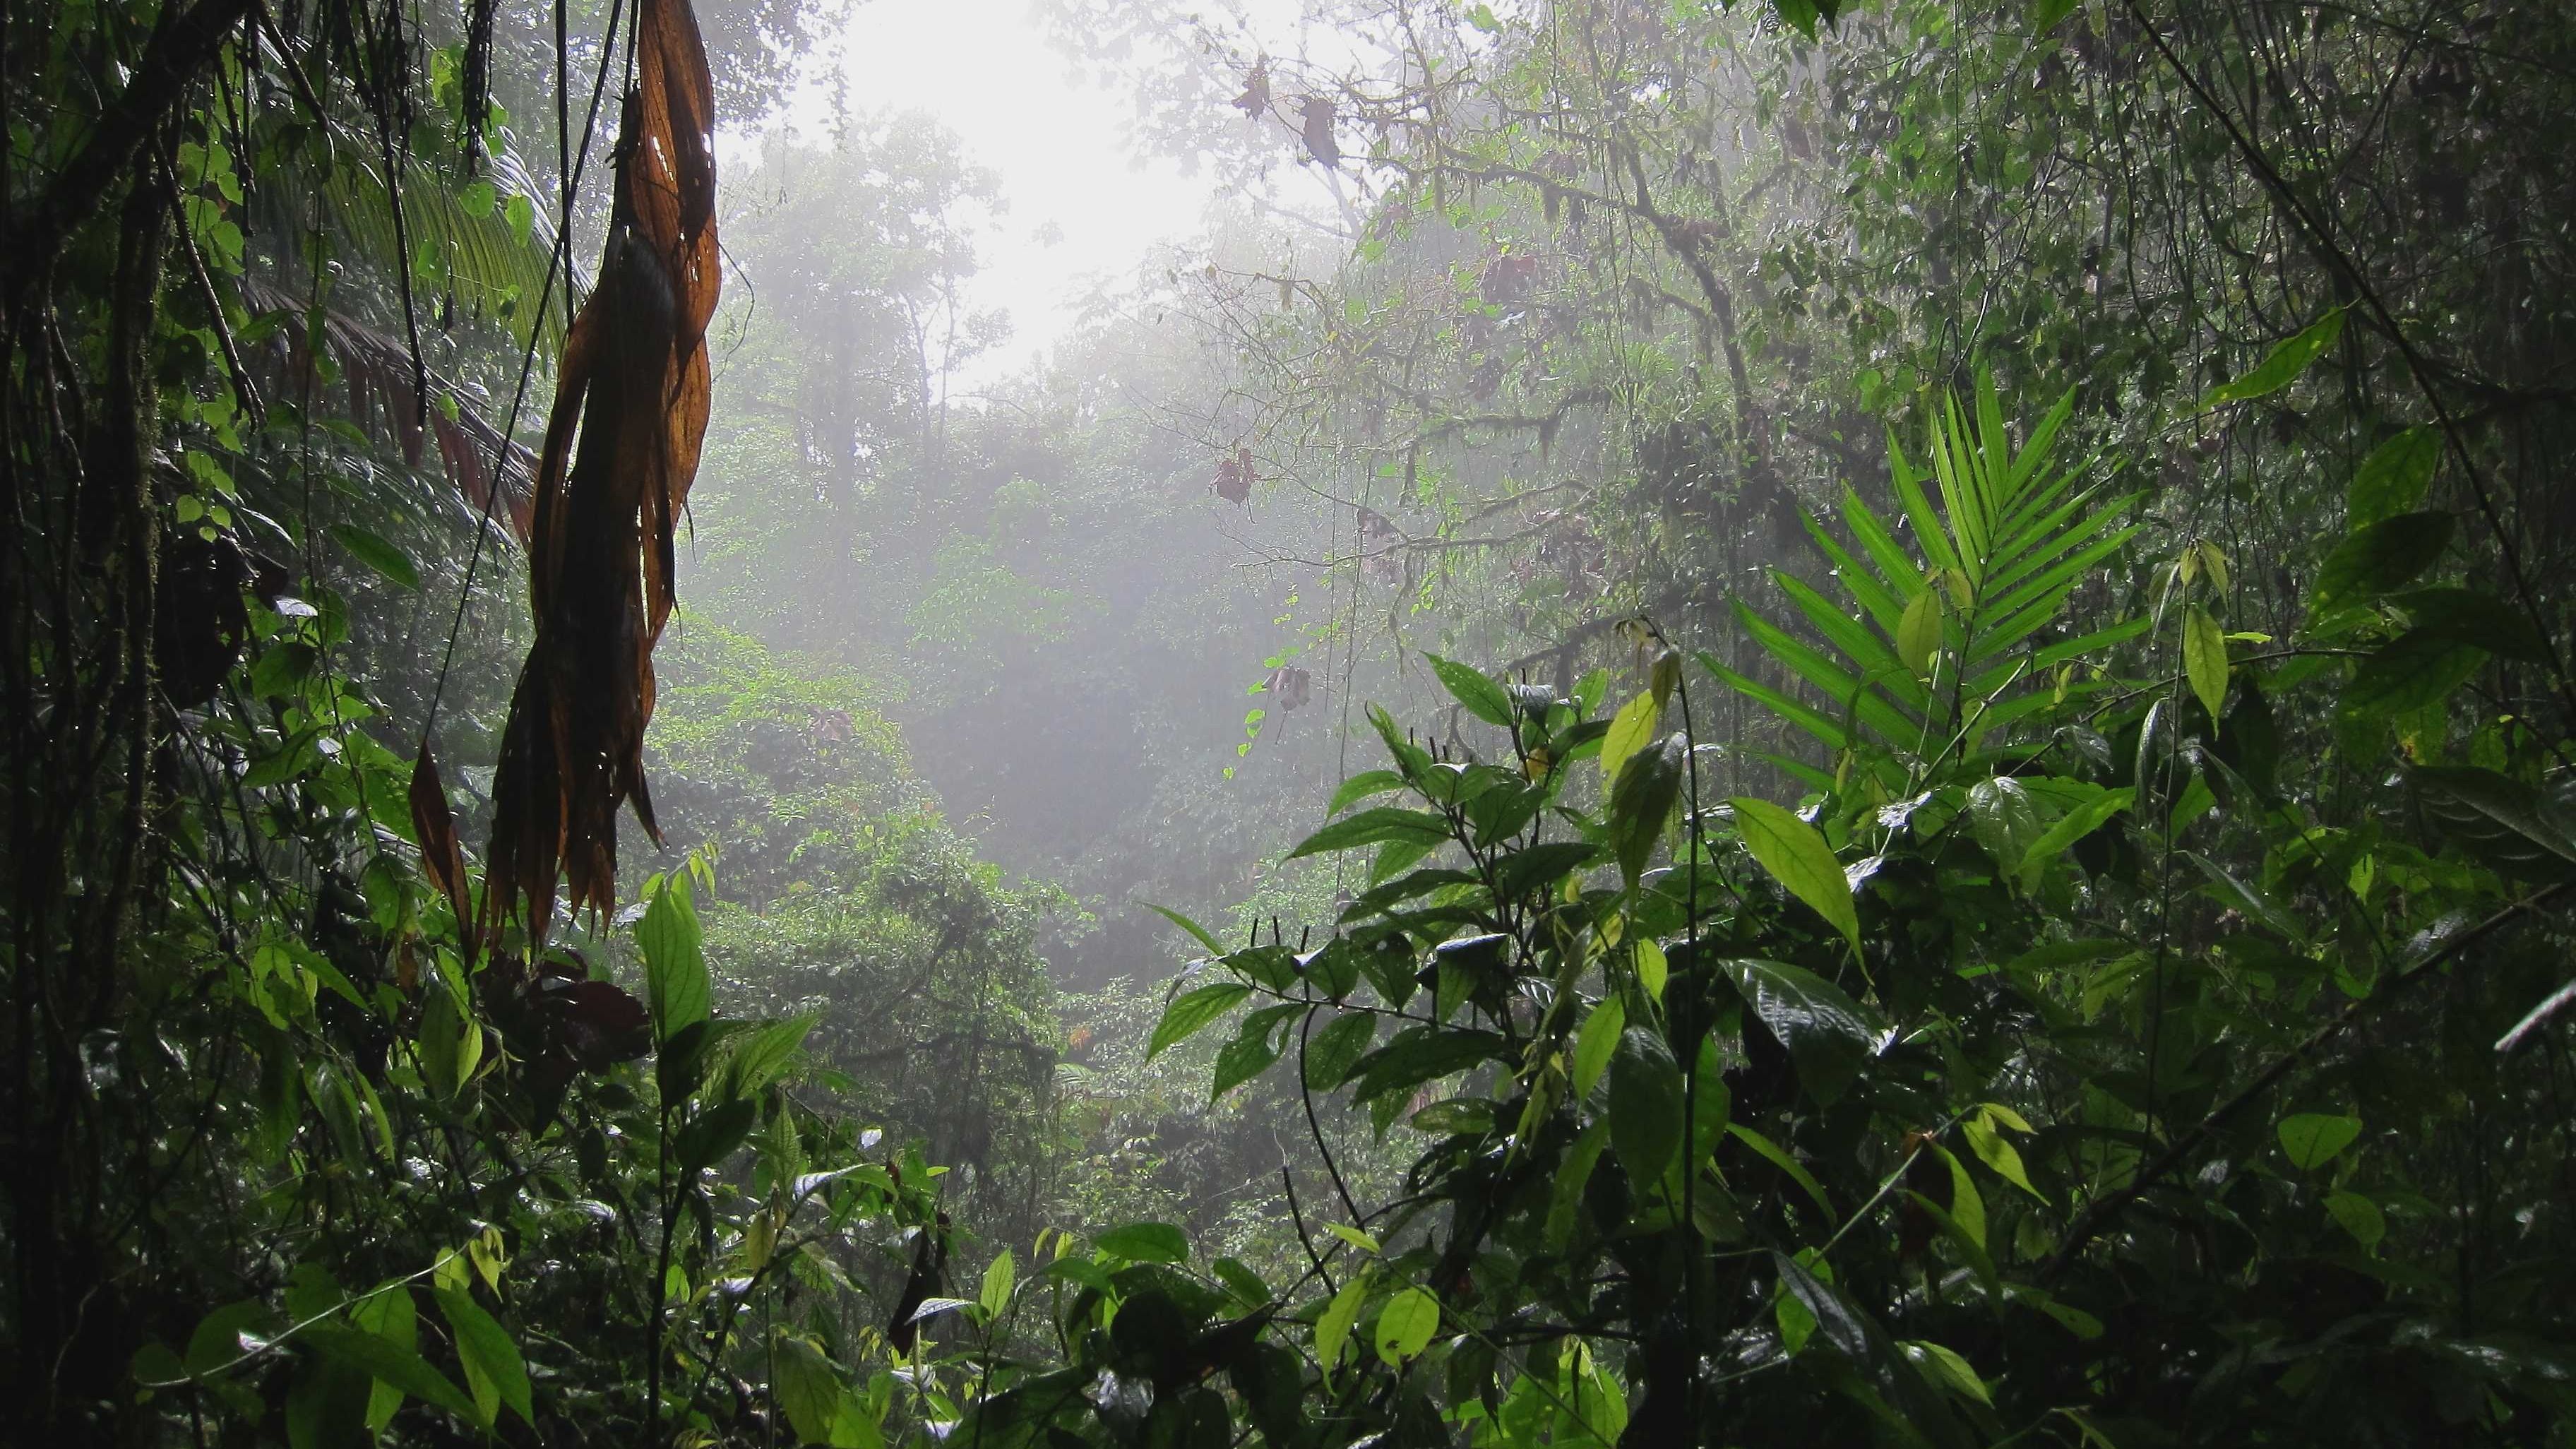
[1962, 840]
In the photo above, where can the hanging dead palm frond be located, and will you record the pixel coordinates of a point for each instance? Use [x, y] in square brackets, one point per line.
[377, 371]
[634, 385]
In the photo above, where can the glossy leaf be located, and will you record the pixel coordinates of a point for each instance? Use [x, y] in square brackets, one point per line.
[1827, 1033]
[1798, 858]
[2393, 479]
[1645, 1104]
[1191, 1011]
[1481, 696]
[1372, 827]
[2282, 365]
[1641, 801]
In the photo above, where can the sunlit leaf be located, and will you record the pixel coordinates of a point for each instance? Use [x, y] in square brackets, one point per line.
[1798, 858]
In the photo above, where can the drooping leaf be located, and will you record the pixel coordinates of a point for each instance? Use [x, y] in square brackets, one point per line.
[2380, 559]
[1192, 1010]
[1596, 1042]
[1645, 1104]
[1331, 1052]
[2420, 667]
[675, 963]
[2204, 659]
[1641, 800]
[2282, 365]
[1918, 634]
[391, 1363]
[1773, 1153]
[1798, 858]
[494, 1371]
[2393, 479]
[2506, 824]
[808, 1389]
[1254, 1048]
[2069, 828]
[2466, 616]
[1827, 1033]
[1333, 1329]
[389, 561]
[434, 827]
[1630, 729]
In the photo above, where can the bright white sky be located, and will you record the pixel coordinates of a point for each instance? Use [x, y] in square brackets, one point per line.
[1082, 203]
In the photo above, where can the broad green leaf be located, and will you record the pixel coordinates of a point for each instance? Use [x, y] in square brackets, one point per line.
[1365, 1242]
[1630, 729]
[675, 964]
[2506, 824]
[390, 1363]
[1652, 968]
[2069, 828]
[1918, 634]
[2419, 668]
[1254, 1048]
[1481, 696]
[1145, 1243]
[494, 1371]
[1772, 1153]
[2465, 616]
[2380, 559]
[2204, 659]
[808, 1389]
[2313, 1139]
[1967, 1205]
[2282, 365]
[1565, 1198]
[1946, 1368]
[378, 554]
[1191, 1011]
[1798, 858]
[995, 1294]
[1405, 1326]
[1334, 1050]
[1333, 1329]
[2247, 901]
[1596, 1043]
[1645, 1104]
[2358, 1216]
[1641, 800]
[760, 1054]
[1361, 786]
[2004, 819]
[2393, 479]
[1997, 1153]
[1827, 1033]
[1375, 826]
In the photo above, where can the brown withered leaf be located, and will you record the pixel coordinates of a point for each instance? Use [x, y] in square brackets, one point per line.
[1256, 89]
[435, 825]
[1321, 143]
[621, 449]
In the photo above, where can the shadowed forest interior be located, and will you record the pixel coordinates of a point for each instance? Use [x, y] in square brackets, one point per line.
[1328, 724]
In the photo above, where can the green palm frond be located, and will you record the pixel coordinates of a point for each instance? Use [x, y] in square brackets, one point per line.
[1927, 651]
[496, 266]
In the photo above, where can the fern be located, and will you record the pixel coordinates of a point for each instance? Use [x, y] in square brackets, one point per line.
[1926, 657]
